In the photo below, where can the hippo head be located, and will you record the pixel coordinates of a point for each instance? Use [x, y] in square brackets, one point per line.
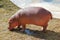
[13, 22]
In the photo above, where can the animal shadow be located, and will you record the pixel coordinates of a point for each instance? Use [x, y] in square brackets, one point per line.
[49, 35]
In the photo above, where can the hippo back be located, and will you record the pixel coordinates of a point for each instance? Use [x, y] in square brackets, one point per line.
[34, 15]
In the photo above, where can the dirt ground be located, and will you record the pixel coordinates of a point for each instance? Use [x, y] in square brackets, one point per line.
[8, 9]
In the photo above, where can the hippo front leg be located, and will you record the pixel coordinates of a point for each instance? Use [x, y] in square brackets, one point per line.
[19, 27]
[23, 28]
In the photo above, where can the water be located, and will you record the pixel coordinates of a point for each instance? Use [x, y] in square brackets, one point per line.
[52, 5]
[48, 0]
[23, 3]
[27, 31]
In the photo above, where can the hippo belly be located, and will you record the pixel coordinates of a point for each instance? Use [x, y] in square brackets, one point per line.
[34, 19]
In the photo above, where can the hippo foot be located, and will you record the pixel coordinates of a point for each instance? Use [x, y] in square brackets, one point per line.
[22, 30]
[43, 31]
[19, 28]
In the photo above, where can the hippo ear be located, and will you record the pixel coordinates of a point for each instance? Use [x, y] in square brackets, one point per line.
[9, 20]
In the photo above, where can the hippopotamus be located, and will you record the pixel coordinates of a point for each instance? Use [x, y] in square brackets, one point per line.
[30, 15]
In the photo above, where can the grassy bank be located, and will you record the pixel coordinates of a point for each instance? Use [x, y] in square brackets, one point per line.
[7, 9]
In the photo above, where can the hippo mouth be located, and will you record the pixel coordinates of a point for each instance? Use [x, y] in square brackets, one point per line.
[11, 29]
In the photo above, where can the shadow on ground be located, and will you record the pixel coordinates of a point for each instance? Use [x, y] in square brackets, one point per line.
[49, 35]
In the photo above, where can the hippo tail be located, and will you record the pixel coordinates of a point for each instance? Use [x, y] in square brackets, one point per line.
[51, 15]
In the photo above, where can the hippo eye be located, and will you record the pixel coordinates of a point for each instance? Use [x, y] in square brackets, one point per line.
[10, 22]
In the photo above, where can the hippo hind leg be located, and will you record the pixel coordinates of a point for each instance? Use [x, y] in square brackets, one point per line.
[44, 28]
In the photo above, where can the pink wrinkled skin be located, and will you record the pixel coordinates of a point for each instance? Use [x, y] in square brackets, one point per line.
[31, 15]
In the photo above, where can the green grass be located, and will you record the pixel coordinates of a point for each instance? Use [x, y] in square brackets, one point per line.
[7, 9]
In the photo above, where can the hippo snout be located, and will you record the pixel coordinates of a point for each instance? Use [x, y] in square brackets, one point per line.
[10, 28]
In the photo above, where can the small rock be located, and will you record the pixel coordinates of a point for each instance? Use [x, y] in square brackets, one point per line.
[1, 5]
